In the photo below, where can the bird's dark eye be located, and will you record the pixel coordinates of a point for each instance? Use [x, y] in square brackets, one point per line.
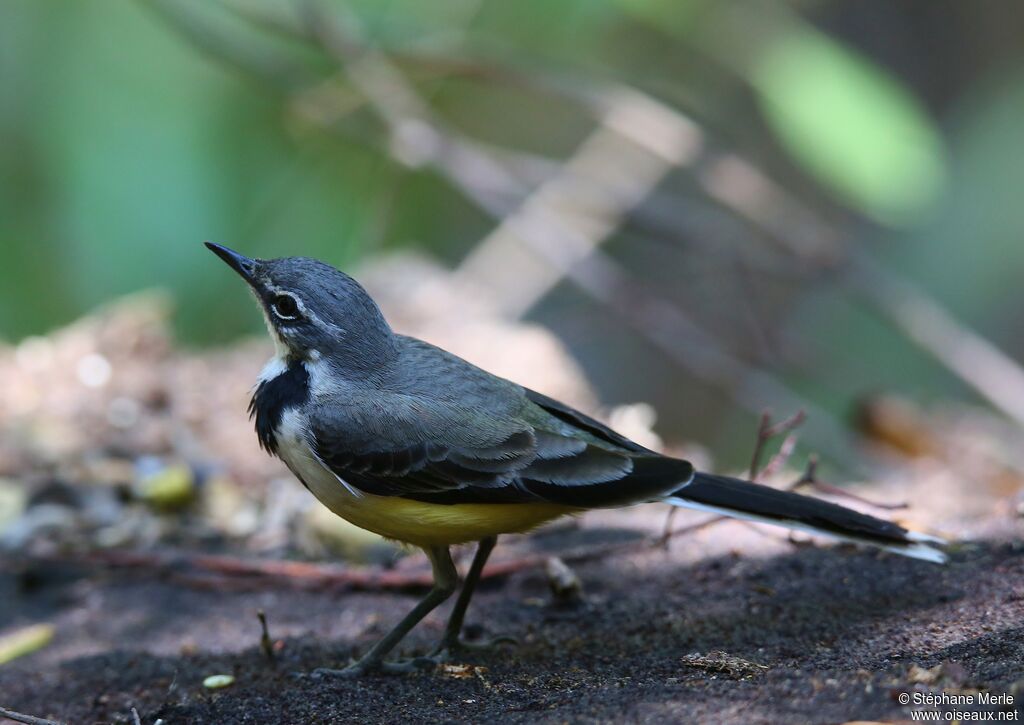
[285, 307]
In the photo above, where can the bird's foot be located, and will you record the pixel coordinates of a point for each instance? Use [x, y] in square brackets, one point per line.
[364, 667]
[447, 648]
[453, 645]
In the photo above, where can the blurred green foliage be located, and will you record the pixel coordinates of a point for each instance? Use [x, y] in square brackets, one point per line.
[124, 145]
[851, 125]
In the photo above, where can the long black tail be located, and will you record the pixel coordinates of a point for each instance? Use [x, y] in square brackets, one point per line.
[754, 502]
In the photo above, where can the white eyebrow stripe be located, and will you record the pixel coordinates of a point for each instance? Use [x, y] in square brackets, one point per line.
[284, 292]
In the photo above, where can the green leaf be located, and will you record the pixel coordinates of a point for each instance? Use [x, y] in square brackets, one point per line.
[851, 125]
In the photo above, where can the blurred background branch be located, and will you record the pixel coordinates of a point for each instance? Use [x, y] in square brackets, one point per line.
[765, 204]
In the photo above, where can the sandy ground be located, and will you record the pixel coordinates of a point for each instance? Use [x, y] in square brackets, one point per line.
[842, 634]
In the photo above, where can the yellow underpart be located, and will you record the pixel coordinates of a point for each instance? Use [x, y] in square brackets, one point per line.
[427, 524]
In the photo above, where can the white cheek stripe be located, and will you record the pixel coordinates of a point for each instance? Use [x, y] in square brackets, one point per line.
[275, 366]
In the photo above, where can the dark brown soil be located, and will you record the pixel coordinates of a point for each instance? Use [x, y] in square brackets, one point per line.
[840, 631]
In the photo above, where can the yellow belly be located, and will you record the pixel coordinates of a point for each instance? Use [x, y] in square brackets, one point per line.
[427, 524]
[414, 522]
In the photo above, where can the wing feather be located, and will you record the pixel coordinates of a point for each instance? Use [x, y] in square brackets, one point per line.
[434, 451]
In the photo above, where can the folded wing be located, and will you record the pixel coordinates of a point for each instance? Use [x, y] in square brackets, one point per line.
[436, 452]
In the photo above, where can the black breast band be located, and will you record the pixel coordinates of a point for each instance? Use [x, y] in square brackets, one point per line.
[288, 390]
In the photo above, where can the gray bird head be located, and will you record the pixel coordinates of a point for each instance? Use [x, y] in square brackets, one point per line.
[314, 311]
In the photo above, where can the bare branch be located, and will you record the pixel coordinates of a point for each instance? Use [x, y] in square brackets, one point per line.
[810, 478]
[780, 459]
[29, 719]
[279, 72]
[765, 432]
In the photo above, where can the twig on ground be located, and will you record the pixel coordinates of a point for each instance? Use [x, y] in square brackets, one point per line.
[300, 574]
[760, 440]
[696, 527]
[810, 478]
[780, 459]
[266, 644]
[666, 530]
[766, 432]
[135, 717]
[30, 719]
[810, 474]
[227, 572]
[668, 533]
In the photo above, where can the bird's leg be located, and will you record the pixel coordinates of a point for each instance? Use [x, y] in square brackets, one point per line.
[446, 579]
[450, 641]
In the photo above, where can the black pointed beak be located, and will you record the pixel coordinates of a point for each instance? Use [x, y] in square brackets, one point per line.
[245, 266]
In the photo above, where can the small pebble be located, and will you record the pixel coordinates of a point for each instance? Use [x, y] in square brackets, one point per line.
[216, 682]
[168, 489]
[565, 584]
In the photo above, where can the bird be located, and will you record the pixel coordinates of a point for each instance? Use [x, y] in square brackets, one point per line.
[413, 443]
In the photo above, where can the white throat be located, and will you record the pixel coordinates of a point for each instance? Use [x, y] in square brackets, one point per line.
[275, 366]
[316, 366]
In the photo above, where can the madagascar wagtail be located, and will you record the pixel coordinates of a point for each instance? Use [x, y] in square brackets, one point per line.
[415, 444]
